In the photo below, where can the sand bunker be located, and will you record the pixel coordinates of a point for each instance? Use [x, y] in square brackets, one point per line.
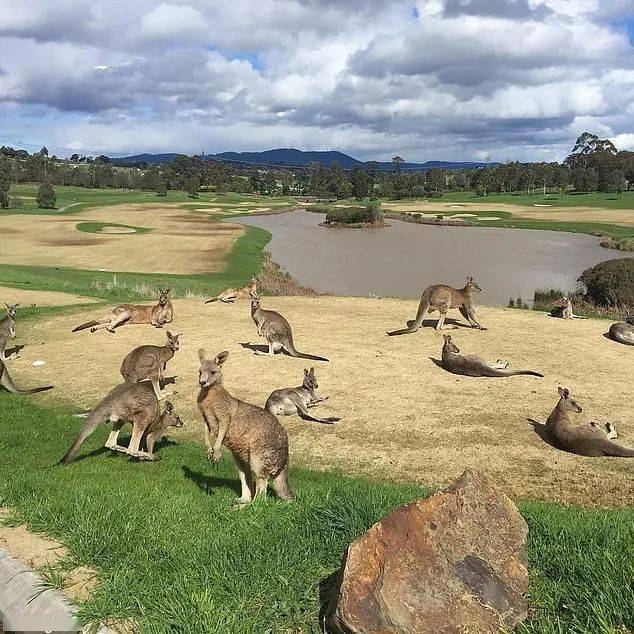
[541, 205]
[117, 230]
[464, 216]
[489, 218]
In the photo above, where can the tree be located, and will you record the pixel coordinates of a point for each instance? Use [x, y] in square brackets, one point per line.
[44, 151]
[191, 186]
[46, 197]
[161, 189]
[617, 182]
[397, 161]
[5, 183]
[74, 158]
[360, 183]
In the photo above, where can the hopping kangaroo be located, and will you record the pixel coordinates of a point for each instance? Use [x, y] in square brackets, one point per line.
[148, 362]
[297, 400]
[441, 297]
[623, 331]
[157, 315]
[586, 440]
[133, 403]
[256, 439]
[472, 365]
[230, 295]
[7, 383]
[7, 329]
[276, 330]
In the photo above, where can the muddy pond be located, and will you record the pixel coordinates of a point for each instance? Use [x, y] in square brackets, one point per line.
[401, 260]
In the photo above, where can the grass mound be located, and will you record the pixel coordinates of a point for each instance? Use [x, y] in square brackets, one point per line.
[98, 227]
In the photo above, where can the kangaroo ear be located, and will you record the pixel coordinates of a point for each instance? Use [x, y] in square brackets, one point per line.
[222, 357]
[306, 372]
[7, 305]
[169, 408]
[169, 335]
[563, 392]
[16, 305]
[312, 371]
[202, 354]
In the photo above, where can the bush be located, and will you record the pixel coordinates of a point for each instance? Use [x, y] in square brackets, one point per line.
[610, 283]
[161, 189]
[46, 197]
[371, 213]
[4, 200]
[433, 194]
[16, 203]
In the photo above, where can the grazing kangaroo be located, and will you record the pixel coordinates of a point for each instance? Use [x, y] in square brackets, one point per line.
[256, 439]
[623, 331]
[7, 383]
[297, 400]
[441, 297]
[148, 362]
[230, 295]
[159, 429]
[7, 329]
[472, 365]
[276, 330]
[133, 403]
[585, 440]
[157, 315]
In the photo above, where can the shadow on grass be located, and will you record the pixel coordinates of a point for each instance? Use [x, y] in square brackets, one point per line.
[542, 432]
[207, 483]
[429, 323]
[260, 347]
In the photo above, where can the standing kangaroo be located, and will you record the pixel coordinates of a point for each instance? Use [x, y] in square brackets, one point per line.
[586, 440]
[276, 330]
[297, 400]
[157, 315]
[256, 439]
[623, 331]
[7, 383]
[133, 403]
[7, 328]
[472, 365]
[148, 362]
[441, 297]
[230, 295]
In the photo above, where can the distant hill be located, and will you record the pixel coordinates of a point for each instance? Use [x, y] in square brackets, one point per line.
[290, 157]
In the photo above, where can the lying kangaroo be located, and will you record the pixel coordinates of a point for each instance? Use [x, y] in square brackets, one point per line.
[256, 439]
[562, 308]
[441, 297]
[133, 403]
[148, 362]
[297, 400]
[7, 329]
[7, 383]
[230, 295]
[276, 330]
[585, 440]
[623, 331]
[157, 315]
[472, 365]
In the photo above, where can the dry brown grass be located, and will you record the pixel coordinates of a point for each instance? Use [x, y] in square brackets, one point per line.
[40, 298]
[182, 242]
[402, 416]
[553, 213]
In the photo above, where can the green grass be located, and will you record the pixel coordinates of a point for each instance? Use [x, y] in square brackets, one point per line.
[173, 557]
[96, 227]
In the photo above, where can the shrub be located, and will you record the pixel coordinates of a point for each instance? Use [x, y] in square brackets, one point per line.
[16, 203]
[46, 197]
[370, 213]
[4, 200]
[433, 194]
[161, 189]
[610, 283]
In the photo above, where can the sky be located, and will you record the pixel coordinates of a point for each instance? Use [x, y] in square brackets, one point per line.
[428, 80]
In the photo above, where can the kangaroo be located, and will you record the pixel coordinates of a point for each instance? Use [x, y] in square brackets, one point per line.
[256, 439]
[7, 383]
[148, 362]
[157, 315]
[297, 400]
[472, 365]
[230, 295]
[133, 403]
[276, 330]
[562, 308]
[623, 331]
[585, 440]
[7, 329]
[441, 297]
[158, 429]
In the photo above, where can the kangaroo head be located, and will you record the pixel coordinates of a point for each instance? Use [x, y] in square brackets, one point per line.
[310, 380]
[172, 340]
[566, 402]
[169, 418]
[210, 373]
[11, 309]
[164, 296]
[629, 319]
[449, 345]
[255, 300]
[472, 285]
[254, 281]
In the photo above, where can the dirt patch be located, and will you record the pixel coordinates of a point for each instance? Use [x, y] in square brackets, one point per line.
[117, 230]
[54, 241]
[402, 416]
[41, 298]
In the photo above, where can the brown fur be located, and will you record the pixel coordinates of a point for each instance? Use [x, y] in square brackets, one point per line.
[7, 329]
[148, 362]
[256, 439]
[230, 295]
[623, 331]
[157, 315]
[585, 440]
[442, 298]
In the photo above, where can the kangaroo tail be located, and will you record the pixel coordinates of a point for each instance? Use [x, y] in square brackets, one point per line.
[302, 355]
[614, 449]
[518, 372]
[423, 306]
[9, 385]
[88, 324]
[94, 418]
[213, 299]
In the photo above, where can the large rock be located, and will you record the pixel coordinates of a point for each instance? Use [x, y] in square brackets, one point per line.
[454, 562]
